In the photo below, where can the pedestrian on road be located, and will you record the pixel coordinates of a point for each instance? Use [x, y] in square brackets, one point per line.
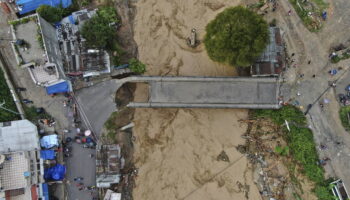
[293, 54]
[314, 76]
[309, 62]
[289, 12]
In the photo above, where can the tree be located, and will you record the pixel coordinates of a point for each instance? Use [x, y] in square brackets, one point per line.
[236, 36]
[97, 30]
[108, 13]
[98, 33]
[49, 13]
[137, 66]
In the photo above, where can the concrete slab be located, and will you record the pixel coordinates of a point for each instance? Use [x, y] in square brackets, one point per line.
[229, 92]
[29, 32]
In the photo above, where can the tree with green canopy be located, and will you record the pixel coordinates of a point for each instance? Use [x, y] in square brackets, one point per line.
[137, 66]
[49, 13]
[236, 36]
[97, 32]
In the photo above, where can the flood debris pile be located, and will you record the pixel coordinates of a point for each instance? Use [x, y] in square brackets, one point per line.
[285, 164]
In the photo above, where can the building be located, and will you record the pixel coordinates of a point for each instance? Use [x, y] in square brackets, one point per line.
[108, 165]
[271, 62]
[36, 48]
[78, 58]
[21, 169]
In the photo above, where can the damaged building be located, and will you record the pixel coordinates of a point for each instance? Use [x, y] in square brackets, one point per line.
[109, 162]
[271, 62]
[78, 58]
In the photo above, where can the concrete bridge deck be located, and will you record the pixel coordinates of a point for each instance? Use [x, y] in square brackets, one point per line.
[209, 92]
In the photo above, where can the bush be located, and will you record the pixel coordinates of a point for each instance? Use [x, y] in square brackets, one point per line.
[6, 96]
[301, 145]
[236, 36]
[303, 149]
[289, 113]
[49, 13]
[137, 66]
[343, 113]
[32, 114]
[108, 13]
[97, 31]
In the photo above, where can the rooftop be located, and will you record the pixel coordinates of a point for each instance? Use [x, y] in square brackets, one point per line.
[78, 57]
[271, 61]
[21, 135]
[12, 173]
[29, 33]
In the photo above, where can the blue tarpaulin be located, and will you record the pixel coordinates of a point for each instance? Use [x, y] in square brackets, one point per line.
[31, 5]
[45, 191]
[47, 154]
[71, 19]
[55, 173]
[58, 88]
[49, 141]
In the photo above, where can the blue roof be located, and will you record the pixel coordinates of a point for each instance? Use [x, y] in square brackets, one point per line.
[31, 5]
[47, 154]
[45, 191]
[58, 88]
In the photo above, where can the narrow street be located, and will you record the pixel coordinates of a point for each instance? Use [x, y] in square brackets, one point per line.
[315, 47]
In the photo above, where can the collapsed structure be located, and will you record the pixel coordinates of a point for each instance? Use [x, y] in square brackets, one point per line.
[109, 162]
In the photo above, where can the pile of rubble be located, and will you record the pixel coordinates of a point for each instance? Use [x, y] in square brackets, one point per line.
[275, 173]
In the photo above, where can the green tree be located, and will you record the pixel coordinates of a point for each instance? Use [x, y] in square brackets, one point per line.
[108, 13]
[49, 13]
[137, 66]
[98, 33]
[97, 30]
[236, 36]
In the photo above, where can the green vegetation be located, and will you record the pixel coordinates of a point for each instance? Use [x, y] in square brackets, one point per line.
[108, 13]
[49, 13]
[137, 66]
[98, 32]
[303, 8]
[32, 114]
[302, 146]
[284, 151]
[236, 36]
[343, 113]
[6, 96]
[21, 21]
[111, 126]
[55, 14]
[39, 38]
[343, 56]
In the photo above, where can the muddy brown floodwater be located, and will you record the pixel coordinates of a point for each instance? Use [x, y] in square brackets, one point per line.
[177, 150]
